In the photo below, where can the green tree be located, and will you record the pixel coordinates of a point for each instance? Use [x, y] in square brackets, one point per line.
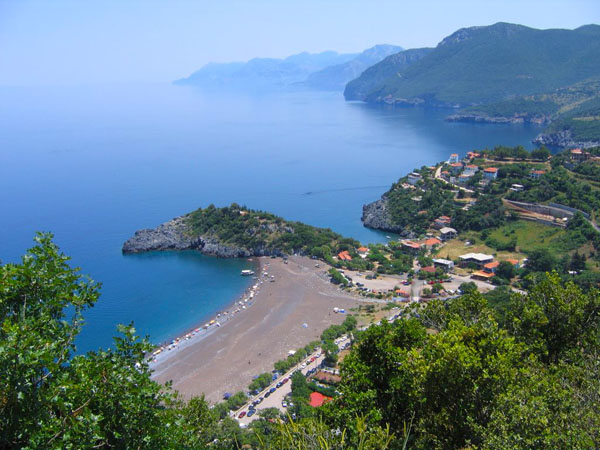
[505, 270]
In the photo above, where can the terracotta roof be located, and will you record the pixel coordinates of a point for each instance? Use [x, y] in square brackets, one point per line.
[411, 244]
[492, 265]
[345, 256]
[481, 273]
[471, 166]
[576, 151]
[514, 262]
[432, 241]
[456, 164]
[444, 218]
[538, 172]
[317, 399]
[428, 269]
[363, 249]
[491, 170]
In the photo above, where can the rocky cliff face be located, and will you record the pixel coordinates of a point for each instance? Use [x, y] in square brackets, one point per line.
[376, 215]
[563, 139]
[482, 118]
[176, 235]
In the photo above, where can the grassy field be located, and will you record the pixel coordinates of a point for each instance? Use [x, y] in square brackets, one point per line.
[529, 236]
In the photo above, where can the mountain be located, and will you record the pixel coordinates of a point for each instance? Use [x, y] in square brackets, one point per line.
[359, 88]
[491, 63]
[264, 73]
[334, 78]
[501, 73]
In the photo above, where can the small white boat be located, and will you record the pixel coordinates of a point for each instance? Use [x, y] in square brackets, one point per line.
[247, 273]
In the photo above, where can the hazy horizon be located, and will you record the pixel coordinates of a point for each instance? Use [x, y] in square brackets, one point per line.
[67, 42]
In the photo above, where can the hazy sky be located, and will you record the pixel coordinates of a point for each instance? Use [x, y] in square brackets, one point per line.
[85, 41]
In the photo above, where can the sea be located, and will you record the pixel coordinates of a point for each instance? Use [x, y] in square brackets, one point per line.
[92, 164]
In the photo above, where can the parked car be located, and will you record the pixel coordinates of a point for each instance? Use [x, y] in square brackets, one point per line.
[251, 413]
[284, 404]
[272, 390]
[285, 380]
[267, 394]
[242, 414]
[278, 385]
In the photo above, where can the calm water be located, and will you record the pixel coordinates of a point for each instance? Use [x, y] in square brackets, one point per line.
[92, 165]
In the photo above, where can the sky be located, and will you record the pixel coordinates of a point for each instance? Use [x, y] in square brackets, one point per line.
[64, 42]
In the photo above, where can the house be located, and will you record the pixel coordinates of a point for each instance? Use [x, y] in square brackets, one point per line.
[517, 187]
[536, 174]
[479, 259]
[447, 233]
[453, 158]
[579, 155]
[317, 399]
[411, 246]
[441, 222]
[428, 269]
[344, 256]
[363, 252]
[472, 155]
[463, 178]
[514, 262]
[490, 173]
[431, 242]
[456, 167]
[445, 264]
[470, 169]
[482, 275]
[413, 178]
[491, 267]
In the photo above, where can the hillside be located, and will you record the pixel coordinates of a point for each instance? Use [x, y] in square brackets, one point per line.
[500, 73]
[359, 88]
[236, 231]
[493, 63]
[334, 78]
[264, 73]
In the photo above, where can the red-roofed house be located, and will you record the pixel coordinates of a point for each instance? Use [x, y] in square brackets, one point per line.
[453, 158]
[491, 173]
[472, 155]
[413, 247]
[536, 174]
[428, 269]
[429, 243]
[456, 167]
[579, 155]
[317, 399]
[470, 169]
[491, 267]
[514, 262]
[344, 256]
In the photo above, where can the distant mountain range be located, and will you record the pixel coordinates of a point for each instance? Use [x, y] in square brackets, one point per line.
[325, 71]
[499, 73]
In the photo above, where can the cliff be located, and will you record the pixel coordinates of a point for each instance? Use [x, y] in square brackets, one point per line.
[233, 232]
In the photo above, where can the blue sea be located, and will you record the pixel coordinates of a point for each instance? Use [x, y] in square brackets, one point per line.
[94, 164]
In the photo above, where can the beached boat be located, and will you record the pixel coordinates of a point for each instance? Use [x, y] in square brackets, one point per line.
[247, 273]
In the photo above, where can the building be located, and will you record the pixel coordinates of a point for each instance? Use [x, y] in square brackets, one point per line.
[453, 158]
[479, 259]
[491, 267]
[447, 233]
[517, 187]
[411, 246]
[579, 155]
[536, 174]
[363, 251]
[470, 169]
[456, 167]
[514, 262]
[428, 269]
[482, 275]
[463, 178]
[441, 222]
[317, 399]
[445, 264]
[490, 173]
[431, 242]
[413, 178]
[344, 256]
[472, 155]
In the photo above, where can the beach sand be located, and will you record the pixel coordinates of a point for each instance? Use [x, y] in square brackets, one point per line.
[252, 341]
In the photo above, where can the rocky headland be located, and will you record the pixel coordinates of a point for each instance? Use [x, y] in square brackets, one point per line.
[377, 215]
[484, 118]
[177, 234]
[563, 139]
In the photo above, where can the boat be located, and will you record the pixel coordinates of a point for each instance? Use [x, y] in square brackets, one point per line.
[247, 273]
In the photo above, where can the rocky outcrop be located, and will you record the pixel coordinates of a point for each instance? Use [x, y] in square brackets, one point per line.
[376, 215]
[176, 235]
[483, 118]
[563, 139]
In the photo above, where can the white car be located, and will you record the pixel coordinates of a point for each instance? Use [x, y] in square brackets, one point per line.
[284, 404]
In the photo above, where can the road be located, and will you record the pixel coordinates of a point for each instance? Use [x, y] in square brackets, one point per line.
[276, 398]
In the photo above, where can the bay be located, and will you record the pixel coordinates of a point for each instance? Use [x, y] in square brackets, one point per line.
[92, 164]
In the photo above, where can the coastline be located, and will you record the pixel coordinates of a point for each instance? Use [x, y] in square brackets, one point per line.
[284, 315]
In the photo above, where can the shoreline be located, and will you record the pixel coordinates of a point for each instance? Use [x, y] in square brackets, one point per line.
[212, 322]
[284, 315]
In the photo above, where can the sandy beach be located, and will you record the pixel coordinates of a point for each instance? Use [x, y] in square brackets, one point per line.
[226, 359]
